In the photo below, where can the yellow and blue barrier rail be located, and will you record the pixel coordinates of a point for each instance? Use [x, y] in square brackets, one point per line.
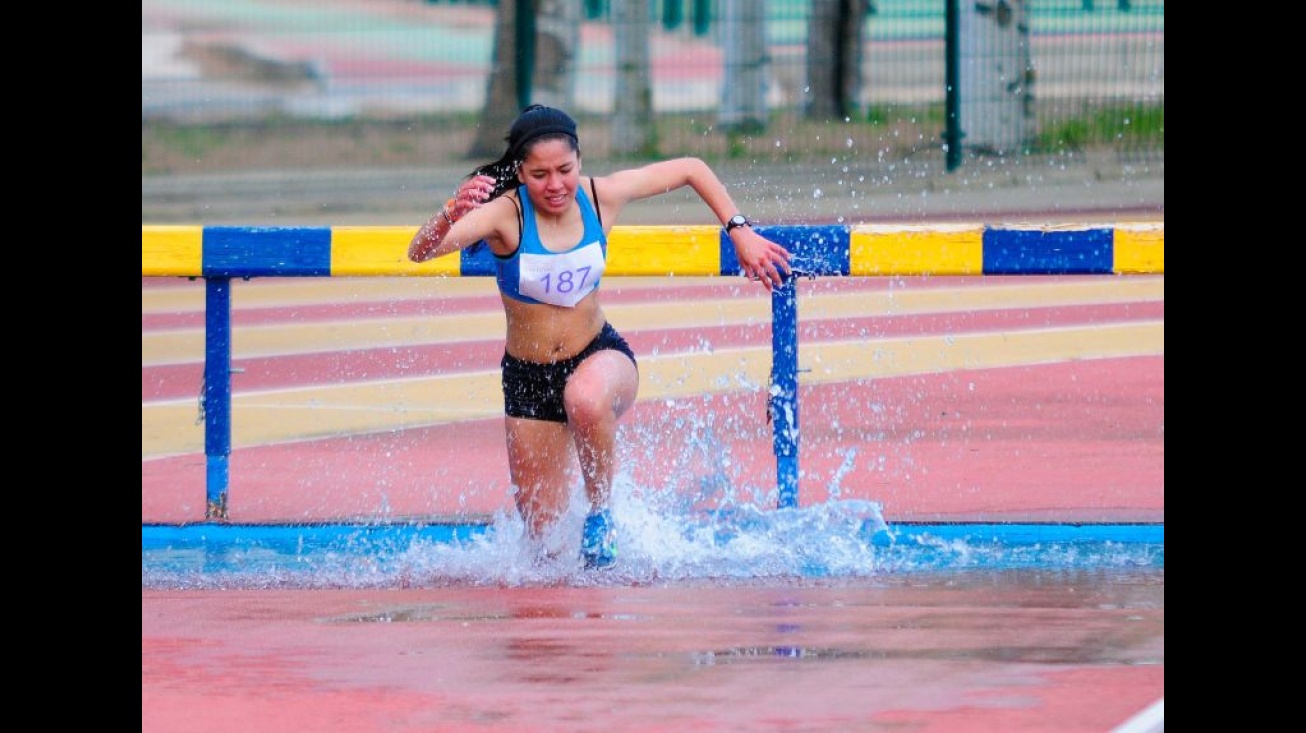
[851, 250]
[219, 253]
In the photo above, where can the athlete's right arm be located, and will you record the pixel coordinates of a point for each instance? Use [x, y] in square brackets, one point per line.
[460, 223]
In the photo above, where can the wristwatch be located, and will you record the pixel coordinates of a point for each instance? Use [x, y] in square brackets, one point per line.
[736, 221]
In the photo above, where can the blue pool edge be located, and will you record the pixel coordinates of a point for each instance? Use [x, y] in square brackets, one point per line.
[211, 534]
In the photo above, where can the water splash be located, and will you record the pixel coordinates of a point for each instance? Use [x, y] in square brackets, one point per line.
[661, 540]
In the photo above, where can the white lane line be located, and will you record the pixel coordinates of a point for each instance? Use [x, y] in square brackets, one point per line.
[1149, 720]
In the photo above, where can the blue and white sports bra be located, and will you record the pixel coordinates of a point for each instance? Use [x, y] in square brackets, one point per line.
[535, 274]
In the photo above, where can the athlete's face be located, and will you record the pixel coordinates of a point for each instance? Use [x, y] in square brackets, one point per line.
[551, 173]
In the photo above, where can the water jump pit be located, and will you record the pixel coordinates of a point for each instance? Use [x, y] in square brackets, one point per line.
[838, 540]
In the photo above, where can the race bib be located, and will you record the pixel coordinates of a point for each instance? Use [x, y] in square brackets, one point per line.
[562, 279]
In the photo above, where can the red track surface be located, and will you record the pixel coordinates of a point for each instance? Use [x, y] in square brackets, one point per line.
[1069, 440]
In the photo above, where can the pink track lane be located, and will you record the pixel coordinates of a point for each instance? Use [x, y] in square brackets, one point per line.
[440, 304]
[1077, 441]
[174, 381]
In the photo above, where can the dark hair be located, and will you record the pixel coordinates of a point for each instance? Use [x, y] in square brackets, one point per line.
[537, 123]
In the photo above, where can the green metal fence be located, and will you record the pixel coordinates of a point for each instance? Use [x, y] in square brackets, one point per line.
[396, 79]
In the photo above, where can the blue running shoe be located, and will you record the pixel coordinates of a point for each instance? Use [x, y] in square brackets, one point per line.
[598, 543]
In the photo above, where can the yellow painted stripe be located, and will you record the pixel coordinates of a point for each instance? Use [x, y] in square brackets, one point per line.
[307, 291]
[369, 250]
[633, 251]
[172, 250]
[664, 250]
[936, 249]
[1139, 248]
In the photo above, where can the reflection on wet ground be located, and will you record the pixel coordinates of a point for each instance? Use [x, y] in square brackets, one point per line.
[1034, 649]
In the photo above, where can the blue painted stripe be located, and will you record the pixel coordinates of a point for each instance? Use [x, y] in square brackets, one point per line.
[1042, 252]
[199, 535]
[315, 536]
[254, 251]
[226, 553]
[1024, 534]
[729, 262]
[816, 250]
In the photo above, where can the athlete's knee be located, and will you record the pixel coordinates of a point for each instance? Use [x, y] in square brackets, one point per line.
[589, 407]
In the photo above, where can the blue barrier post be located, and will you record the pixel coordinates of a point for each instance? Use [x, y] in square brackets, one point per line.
[782, 405]
[217, 394]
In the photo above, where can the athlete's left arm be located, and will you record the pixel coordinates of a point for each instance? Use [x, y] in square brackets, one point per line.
[760, 258]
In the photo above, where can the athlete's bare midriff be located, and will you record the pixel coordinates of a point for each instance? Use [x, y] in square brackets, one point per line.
[545, 333]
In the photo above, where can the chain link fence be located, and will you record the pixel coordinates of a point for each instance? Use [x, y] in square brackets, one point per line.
[232, 84]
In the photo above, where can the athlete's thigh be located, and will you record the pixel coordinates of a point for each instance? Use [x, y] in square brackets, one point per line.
[607, 379]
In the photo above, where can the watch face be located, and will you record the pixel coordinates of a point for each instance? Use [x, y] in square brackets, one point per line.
[737, 220]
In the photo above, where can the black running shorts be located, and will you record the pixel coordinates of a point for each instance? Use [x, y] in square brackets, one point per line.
[534, 391]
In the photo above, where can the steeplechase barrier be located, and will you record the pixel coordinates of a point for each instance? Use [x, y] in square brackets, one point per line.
[219, 254]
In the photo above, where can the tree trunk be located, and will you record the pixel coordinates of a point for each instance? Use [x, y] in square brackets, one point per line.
[834, 58]
[501, 95]
[634, 132]
[557, 42]
[743, 28]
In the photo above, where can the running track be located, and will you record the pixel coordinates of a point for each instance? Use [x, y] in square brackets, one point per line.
[1029, 399]
[995, 398]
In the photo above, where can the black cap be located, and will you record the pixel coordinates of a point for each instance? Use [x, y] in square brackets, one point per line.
[537, 121]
